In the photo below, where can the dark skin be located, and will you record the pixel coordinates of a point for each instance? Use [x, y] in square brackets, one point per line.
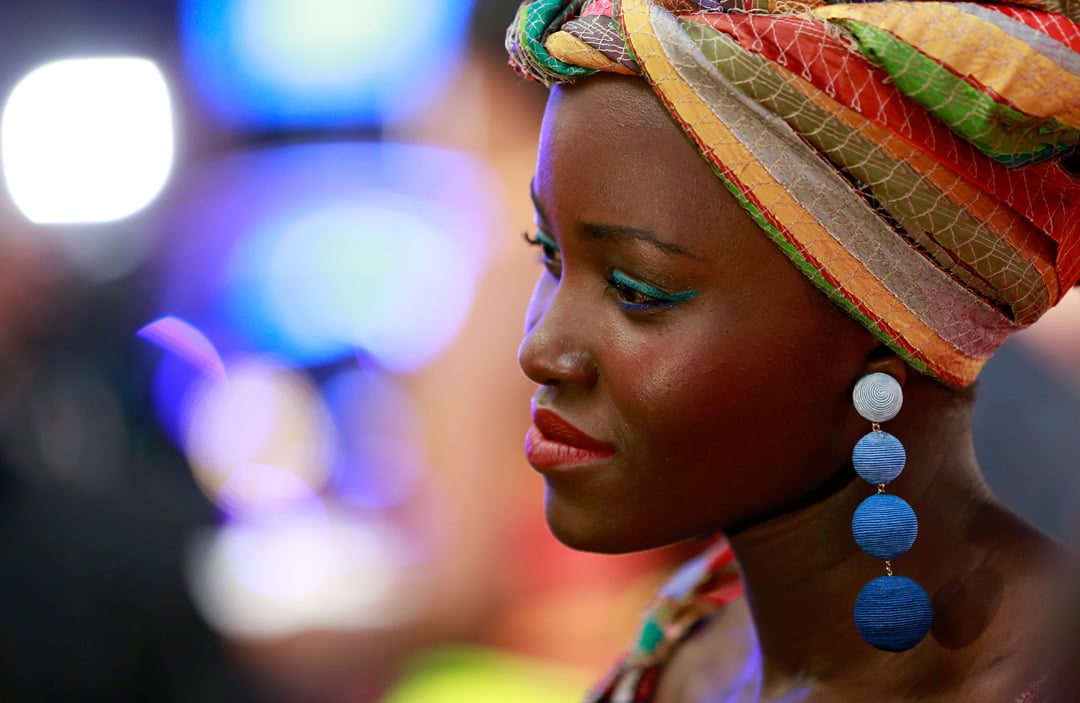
[731, 410]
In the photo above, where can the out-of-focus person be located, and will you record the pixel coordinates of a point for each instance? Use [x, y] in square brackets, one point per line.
[1028, 415]
[93, 602]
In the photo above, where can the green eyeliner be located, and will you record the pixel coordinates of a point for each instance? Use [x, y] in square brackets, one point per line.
[547, 240]
[652, 291]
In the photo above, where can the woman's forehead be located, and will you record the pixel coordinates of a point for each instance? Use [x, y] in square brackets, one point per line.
[608, 115]
[608, 147]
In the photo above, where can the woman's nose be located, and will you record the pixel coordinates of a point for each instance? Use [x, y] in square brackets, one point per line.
[554, 350]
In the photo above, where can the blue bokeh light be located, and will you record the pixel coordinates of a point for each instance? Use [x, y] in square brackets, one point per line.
[368, 274]
[313, 253]
[319, 63]
[173, 380]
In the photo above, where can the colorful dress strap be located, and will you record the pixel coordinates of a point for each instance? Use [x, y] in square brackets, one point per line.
[698, 591]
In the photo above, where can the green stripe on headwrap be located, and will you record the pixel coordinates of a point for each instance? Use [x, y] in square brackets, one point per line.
[525, 41]
[998, 130]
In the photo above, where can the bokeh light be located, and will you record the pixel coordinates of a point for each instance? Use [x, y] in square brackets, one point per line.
[313, 253]
[319, 63]
[380, 461]
[474, 675]
[178, 337]
[87, 140]
[283, 558]
[262, 489]
[372, 274]
[261, 442]
[310, 570]
[174, 378]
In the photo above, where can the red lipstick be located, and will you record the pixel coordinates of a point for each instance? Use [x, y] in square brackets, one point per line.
[552, 443]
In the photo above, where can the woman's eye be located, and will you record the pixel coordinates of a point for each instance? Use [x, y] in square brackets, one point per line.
[635, 295]
[552, 257]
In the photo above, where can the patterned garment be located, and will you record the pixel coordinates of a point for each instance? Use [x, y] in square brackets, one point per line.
[699, 591]
[911, 158]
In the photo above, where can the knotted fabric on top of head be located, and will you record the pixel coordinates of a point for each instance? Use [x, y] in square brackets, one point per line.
[908, 157]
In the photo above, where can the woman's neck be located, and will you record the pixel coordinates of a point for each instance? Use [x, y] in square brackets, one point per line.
[803, 570]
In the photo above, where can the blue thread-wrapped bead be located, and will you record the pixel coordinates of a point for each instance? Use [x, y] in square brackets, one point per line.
[878, 397]
[884, 526]
[893, 613]
[878, 457]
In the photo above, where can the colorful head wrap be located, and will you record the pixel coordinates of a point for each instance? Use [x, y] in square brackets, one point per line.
[908, 157]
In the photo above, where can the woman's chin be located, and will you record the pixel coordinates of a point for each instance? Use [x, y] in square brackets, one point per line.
[594, 531]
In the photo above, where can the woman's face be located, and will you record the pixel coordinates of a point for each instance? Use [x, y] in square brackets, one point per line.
[668, 327]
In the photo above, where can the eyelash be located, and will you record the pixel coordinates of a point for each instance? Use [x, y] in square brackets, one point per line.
[552, 257]
[633, 295]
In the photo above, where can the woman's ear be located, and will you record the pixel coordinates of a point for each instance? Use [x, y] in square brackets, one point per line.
[881, 359]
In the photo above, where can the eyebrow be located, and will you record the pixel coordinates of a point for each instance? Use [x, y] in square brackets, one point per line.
[596, 230]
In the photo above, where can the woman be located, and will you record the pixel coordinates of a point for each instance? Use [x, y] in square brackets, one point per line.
[909, 160]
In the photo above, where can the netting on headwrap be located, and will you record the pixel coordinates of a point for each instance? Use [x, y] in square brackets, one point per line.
[906, 156]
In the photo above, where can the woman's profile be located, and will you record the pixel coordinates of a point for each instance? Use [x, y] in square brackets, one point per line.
[780, 241]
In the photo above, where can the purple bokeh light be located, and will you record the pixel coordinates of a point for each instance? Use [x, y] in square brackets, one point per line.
[380, 459]
[178, 337]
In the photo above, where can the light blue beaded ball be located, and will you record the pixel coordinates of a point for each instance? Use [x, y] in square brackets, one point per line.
[884, 526]
[878, 397]
[893, 613]
[878, 457]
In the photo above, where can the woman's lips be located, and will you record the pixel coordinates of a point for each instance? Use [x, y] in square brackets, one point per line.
[552, 442]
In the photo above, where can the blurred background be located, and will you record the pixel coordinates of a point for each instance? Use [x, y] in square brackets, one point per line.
[261, 422]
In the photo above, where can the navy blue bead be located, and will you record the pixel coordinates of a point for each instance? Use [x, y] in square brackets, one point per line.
[878, 457]
[893, 613]
[884, 526]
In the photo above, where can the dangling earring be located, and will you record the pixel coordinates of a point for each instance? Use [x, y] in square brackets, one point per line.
[892, 613]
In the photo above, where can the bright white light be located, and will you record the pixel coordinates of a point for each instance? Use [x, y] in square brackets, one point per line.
[324, 570]
[87, 140]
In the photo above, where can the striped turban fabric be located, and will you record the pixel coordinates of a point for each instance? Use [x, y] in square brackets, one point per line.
[910, 158]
